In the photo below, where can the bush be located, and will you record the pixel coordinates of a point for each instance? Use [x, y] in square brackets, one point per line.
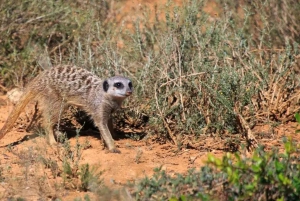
[263, 176]
[212, 75]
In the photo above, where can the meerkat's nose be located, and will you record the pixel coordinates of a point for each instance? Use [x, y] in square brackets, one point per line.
[128, 93]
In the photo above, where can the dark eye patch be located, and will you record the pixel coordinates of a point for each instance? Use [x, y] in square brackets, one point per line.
[118, 85]
[105, 85]
[130, 85]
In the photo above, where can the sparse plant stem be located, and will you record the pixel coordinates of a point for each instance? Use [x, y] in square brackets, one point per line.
[171, 135]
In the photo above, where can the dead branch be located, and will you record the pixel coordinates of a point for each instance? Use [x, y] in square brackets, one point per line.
[3, 88]
[171, 134]
[250, 139]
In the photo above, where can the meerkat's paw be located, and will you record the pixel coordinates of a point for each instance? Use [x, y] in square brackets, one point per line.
[114, 150]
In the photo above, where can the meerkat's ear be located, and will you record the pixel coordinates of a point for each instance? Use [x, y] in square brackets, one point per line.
[105, 85]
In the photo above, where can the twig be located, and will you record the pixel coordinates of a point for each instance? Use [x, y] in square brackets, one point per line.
[183, 76]
[3, 88]
[171, 134]
[43, 16]
[266, 49]
[180, 81]
[61, 44]
[193, 160]
[251, 141]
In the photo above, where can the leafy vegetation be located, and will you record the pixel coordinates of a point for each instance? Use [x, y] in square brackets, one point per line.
[263, 176]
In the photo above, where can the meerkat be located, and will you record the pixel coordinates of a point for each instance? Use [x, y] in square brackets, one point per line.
[60, 86]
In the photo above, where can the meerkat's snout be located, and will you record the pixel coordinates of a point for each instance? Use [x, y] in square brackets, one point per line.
[129, 91]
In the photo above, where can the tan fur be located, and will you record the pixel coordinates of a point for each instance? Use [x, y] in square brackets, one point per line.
[61, 86]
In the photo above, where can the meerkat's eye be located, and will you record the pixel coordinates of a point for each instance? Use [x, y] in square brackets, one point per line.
[130, 85]
[118, 85]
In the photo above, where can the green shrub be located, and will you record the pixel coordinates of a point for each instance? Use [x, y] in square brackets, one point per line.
[263, 176]
[271, 176]
[90, 178]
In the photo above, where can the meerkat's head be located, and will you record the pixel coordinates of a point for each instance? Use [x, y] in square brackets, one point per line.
[118, 87]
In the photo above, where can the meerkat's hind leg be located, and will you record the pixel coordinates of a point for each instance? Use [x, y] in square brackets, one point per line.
[52, 113]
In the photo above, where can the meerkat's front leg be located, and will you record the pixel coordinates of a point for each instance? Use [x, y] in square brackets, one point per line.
[101, 120]
[111, 128]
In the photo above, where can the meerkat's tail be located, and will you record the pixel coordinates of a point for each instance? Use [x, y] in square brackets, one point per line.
[28, 95]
